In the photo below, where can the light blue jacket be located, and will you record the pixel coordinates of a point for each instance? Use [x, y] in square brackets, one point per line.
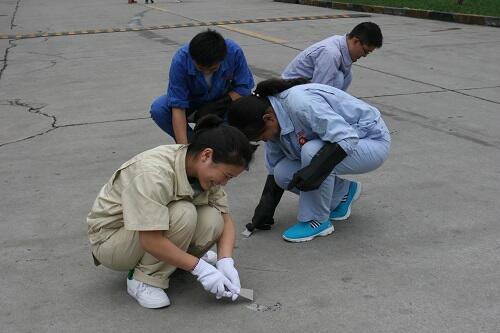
[317, 111]
[327, 62]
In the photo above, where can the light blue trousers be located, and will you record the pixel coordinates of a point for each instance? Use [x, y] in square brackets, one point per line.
[316, 205]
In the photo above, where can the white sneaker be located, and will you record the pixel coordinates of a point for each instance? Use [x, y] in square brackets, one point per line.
[210, 257]
[148, 296]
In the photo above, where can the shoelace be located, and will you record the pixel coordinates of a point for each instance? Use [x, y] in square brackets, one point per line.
[148, 290]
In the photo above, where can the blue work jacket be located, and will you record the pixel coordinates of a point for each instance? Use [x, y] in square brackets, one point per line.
[187, 87]
[317, 111]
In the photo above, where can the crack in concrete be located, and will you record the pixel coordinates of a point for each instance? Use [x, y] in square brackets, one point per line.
[52, 64]
[57, 55]
[31, 109]
[103, 122]
[12, 25]
[5, 55]
[36, 109]
[11, 43]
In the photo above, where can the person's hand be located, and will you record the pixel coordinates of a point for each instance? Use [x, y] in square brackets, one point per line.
[306, 179]
[213, 280]
[218, 107]
[311, 177]
[226, 267]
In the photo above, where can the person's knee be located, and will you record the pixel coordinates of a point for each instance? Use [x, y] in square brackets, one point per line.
[160, 113]
[283, 172]
[183, 217]
[157, 112]
[309, 150]
[280, 178]
[209, 226]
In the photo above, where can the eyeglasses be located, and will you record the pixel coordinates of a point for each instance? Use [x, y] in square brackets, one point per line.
[365, 51]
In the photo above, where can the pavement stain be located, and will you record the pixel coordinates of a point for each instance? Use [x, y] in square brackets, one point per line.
[264, 308]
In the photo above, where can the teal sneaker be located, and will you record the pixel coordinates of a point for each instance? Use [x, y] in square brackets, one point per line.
[306, 231]
[343, 210]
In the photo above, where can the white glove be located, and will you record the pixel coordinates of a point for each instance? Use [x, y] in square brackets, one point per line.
[226, 267]
[213, 280]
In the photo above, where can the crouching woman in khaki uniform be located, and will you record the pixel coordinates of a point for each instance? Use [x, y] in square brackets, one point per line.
[165, 208]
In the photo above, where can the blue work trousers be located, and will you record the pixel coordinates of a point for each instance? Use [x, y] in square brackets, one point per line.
[316, 205]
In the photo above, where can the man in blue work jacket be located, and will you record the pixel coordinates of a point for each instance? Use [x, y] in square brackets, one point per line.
[205, 76]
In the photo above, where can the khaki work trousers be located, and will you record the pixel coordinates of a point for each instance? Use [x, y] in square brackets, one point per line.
[193, 229]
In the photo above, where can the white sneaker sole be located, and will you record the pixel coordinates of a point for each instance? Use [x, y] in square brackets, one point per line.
[149, 305]
[325, 232]
[356, 197]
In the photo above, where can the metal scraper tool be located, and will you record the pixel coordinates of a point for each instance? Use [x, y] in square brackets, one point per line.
[246, 293]
[247, 233]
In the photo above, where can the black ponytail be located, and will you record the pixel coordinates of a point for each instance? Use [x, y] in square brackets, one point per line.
[275, 86]
[229, 145]
[246, 113]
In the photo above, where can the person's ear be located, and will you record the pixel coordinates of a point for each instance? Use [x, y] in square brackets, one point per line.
[206, 155]
[267, 117]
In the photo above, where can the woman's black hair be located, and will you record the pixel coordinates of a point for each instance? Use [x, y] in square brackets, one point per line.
[246, 113]
[229, 145]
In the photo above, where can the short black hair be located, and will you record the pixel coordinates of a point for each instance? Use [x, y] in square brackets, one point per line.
[208, 48]
[368, 33]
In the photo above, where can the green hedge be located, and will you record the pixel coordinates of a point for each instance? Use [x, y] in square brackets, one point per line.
[479, 7]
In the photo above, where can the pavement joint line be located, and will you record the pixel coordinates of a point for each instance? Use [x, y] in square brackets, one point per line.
[457, 91]
[32, 35]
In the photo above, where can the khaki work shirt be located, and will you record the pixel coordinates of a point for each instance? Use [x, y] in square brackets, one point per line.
[137, 195]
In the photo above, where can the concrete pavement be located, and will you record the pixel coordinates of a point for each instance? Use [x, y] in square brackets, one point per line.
[420, 252]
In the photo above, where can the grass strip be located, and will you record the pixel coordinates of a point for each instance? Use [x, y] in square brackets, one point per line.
[478, 7]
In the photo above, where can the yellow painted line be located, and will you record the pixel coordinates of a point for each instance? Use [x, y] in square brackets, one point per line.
[254, 34]
[228, 25]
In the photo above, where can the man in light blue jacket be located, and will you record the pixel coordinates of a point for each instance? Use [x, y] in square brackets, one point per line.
[329, 61]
